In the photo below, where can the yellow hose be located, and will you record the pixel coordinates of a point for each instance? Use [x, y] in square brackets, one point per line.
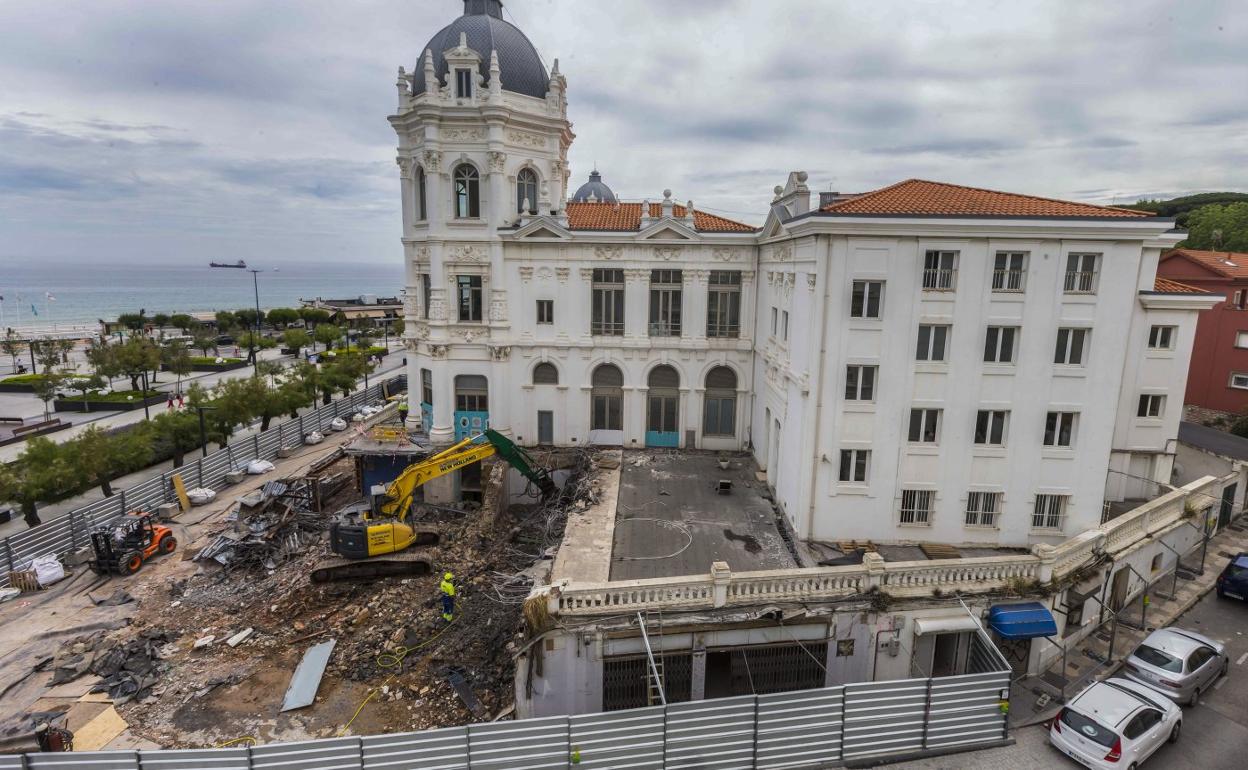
[245, 739]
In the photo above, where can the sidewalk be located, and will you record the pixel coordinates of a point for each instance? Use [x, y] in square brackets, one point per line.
[1037, 699]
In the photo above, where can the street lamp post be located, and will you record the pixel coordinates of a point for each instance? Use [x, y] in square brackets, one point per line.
[147, 415]
[255, 337]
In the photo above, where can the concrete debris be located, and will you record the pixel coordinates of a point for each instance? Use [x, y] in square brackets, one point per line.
[273, 524]
[240, 637]
[203, 641]
[307, 677]
[455, 677]
[127, 670]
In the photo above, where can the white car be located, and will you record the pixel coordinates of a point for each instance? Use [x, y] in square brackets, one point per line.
[1116, 723]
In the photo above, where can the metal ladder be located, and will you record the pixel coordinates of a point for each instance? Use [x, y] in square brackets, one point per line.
[655, 693]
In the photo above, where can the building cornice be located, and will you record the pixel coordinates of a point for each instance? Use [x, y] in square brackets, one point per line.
[1152, 231]
[1160, 301]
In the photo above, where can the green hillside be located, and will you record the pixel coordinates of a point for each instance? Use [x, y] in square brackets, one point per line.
[1216, 220]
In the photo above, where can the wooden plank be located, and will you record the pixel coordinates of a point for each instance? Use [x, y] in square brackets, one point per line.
[100, 731]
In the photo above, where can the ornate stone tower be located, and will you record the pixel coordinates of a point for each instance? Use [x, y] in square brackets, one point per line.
[483, 138]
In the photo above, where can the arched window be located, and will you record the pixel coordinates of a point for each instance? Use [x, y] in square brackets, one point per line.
[662, 407]
[545, 373]
[422, 210]
[467, 192]
[608, 398]
[719, 415]
[526, 191]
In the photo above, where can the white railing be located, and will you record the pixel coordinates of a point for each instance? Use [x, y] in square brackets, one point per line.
[723, 588]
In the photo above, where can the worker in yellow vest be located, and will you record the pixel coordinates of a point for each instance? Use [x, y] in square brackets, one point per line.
[448, 597]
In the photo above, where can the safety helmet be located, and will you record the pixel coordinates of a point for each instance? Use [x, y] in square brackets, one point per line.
[448, 576]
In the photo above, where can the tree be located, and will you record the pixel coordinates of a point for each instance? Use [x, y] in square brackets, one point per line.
[103, 359]
[246, 318]
[225, 320]
[177, 360]
[175, 433]
[205, 343]
[327, 334]
[263, 343]
[11, 345]
[182, 322]
[161, 320]
[44, 472]
[1221, 228]
[136, 356]
[64, 347]
[46, 389]
[132, 321]
[230, 408]
[313, 316]
[99, 456]
[47, 353]
[281, 317]
[84, 385]
[296, 340]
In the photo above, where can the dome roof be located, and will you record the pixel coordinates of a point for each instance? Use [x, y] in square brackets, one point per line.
[482, 23]
[594, 187]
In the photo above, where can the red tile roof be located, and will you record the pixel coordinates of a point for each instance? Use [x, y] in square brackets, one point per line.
[1225, 263]
[918, 197]
[627, 216]
[1167, 286]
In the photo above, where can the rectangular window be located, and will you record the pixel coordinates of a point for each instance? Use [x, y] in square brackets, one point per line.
[1009, 271]
[1239, 380]
[1151, 405]
[463, 84]
[775, 321]
[665, 295]
[426, 291]
[999, 344]
[924, 426]
[939, 270]
[1070, 344]
[1049, 513]
[426, 388]
[867, 299]
[784, 325]
[931, 346]
[1241, 339]
[608, 413]
[1059, 429]
[1162, 338]
[990, 427]
[982, 509]
[860, 383]
[1237, 299]
[545, 311]
[723, 304]
[854, 464]
[916, 506]
[469, 297]
[607, 300]
[1081, 270]
[719, 415]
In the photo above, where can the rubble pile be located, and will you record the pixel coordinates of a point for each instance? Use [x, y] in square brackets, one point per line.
[127, 669]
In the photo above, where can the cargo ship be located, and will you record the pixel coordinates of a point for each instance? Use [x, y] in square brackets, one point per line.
[240, 264]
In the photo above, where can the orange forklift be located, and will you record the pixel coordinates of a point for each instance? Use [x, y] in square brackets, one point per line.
[121, 548]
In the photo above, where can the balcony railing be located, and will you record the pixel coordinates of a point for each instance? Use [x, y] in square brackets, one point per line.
[607, 328]
[664, 329]
[723, 330]
[939, 279]
[1007, 280]
[1080, 281]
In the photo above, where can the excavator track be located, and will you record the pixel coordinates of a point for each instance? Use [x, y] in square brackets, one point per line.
[401, 564]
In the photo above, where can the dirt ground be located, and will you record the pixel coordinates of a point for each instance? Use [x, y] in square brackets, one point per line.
[394, 652]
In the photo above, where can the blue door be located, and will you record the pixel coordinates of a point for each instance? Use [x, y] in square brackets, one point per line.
[661, 421]
[426, 416]
[470, 424]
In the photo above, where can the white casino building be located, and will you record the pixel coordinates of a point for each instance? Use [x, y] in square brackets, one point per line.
[925, 362]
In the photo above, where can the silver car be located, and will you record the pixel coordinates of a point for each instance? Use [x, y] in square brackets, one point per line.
[1178, 663]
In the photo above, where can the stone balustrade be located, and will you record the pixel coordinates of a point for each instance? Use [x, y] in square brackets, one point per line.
[723, 588]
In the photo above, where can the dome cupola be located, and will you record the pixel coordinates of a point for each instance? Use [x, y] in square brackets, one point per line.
[595, 190]
[484, 29]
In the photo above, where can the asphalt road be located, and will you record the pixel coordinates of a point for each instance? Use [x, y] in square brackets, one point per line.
[1215, 733]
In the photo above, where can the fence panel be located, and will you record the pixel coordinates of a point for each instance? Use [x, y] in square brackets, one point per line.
[966, 709]
[195, 759]
[331, 754]
[528, 744]
[619, 740]
[445, 749]
[78, 760]
[799, 729]
[11, 761]
[716, 733]
[270, 442]
[884, 717]
[242, 452]
[147, 495]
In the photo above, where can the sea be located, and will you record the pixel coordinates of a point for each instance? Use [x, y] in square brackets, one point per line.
[47, 294]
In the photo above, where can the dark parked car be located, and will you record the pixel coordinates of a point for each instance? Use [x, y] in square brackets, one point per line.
[225, 339]
[1233, 582]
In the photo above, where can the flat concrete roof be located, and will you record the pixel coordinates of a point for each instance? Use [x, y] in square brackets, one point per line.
[671, 521]
[1213, 440]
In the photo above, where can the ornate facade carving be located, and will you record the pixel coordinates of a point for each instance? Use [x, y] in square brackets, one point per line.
[498, 306]
[667, 253]
[411, 345]
[526, 273]
[433, 161]
[468, 335]
[725, 254]
[420, 254]
[462, 134]
[437, 306]
[636, 275]
[500, 352]
[697, 276]
[783, 252]
[747, 277]
[405, 167]
[562, 273]
[438, 351]
[498, 161]
[411, 305]
[608, 252]
[545, 274]
[526, 139]
[587, 273]
[465, 252]
[810, 281]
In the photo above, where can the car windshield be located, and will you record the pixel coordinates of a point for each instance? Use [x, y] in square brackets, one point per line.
[1155, 657]
[1237, 570]
[1088, 728]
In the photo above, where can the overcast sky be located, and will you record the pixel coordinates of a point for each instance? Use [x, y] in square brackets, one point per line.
[180, 130]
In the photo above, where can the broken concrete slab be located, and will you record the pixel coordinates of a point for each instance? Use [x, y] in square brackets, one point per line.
[307, 677]
[240, 637]
[203, 641]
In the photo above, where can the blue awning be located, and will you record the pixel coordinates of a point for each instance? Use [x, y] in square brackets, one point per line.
[1022, 621]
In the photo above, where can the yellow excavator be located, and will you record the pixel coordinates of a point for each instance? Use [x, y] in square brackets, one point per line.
[370, 537]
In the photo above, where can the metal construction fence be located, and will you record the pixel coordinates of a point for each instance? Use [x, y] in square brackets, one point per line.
[72, 530]
[781, 731]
